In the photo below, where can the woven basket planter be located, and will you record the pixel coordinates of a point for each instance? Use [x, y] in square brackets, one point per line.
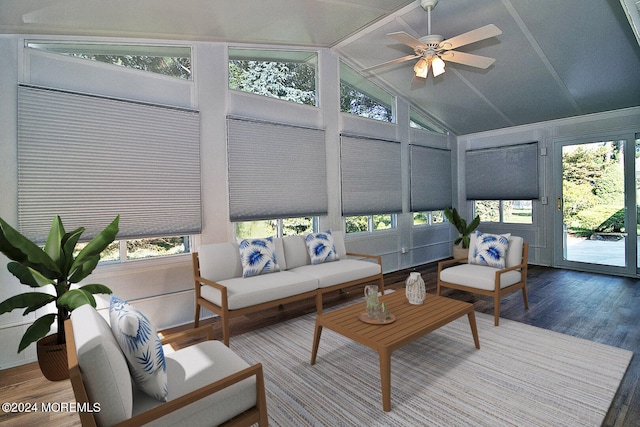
[52, 358]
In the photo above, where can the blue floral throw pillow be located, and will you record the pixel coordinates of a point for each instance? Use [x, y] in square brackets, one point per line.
[141, 346]
[321, 247]
[258, 256]
[489, 249]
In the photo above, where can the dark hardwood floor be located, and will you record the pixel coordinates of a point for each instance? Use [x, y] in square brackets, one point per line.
[596, 307]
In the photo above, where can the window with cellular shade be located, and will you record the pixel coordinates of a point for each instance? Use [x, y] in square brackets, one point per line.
[502, 173]
[275, 170]
[89, 158]
[371, 176]
[430, 172]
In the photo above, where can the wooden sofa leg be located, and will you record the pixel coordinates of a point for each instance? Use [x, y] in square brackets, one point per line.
[525, 297]
[496, 309]
[225, 330]
[319, 302]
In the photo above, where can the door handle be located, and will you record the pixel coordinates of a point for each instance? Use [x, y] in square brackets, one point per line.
[559, 204]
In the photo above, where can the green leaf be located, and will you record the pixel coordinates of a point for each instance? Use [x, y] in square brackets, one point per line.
[28, 276]
[96, 288]
[93, 249]
[18, 248]
[37, 330]
[45, 301]
[69, 242]
[84, 269]
[75, 298]
[474, 224]
[29, 299]
[53, 245]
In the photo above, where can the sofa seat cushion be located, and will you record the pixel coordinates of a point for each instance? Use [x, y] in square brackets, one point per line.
[337, 272]
[197, 366]
[478, 276]
[248, 291]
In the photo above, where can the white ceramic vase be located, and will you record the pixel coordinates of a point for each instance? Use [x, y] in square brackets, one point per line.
[415, 288]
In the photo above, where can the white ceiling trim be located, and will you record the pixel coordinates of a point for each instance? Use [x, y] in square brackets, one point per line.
[380, 23]
[481, 96]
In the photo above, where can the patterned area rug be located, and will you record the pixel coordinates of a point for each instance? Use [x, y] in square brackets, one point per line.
[521, 376]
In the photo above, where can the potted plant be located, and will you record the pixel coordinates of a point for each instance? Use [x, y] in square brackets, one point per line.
[465, 230]
[56, 264]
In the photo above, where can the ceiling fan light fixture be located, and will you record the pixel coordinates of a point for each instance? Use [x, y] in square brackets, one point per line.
[438, 66]
[421, 68]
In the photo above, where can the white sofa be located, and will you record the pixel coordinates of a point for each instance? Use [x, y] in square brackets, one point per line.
[221, 287]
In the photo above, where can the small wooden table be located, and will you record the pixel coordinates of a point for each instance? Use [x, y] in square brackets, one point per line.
[412, 322]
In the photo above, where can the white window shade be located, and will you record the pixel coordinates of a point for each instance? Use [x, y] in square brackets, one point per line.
[371, 176]
[504, 173]
[89, 158]
[430, 178]
[275, 170]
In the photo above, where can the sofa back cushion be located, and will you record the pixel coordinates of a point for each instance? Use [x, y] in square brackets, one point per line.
[295, 252]
[338, 241]
[220, 261]
[105, 373]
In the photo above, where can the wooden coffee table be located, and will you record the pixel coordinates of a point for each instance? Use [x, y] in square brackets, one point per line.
[411, 323]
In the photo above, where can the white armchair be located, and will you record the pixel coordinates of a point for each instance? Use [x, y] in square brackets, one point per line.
[208, 383]
[485, 280]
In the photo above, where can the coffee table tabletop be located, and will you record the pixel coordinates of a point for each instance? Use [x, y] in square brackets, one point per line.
[411, 322]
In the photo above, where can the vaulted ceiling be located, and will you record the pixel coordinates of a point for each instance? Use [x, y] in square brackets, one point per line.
[554, 58]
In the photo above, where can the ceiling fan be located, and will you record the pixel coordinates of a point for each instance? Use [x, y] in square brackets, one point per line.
[432, 50]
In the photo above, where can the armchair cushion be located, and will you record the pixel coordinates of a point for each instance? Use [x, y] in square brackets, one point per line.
[197, 366]
[104, 369]
[258, 256]
[479, 276]
[489, 249]
[141, 346]
[321, 247]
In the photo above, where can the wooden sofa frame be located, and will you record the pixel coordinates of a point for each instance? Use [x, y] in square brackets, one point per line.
[226, 314]
[255, 415]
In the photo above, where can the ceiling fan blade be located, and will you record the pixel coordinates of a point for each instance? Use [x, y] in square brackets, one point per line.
[472, 36]
[393, 61]
[407, 39]
[468, 59]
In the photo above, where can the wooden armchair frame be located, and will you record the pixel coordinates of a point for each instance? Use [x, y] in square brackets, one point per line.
[257, 414]
[497, 293]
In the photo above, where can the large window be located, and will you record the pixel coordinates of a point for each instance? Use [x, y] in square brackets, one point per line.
[505, 211]
[174, 61]
[286, 75]
[369, 223]
[428, 218]
[135, 249]
[361, 97]
[276, 227]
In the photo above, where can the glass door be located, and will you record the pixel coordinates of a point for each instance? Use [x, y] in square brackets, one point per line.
[596, 202]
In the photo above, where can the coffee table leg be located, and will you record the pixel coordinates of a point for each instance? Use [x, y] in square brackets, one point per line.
[385, 377]
[316, 342]
[474, 328]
